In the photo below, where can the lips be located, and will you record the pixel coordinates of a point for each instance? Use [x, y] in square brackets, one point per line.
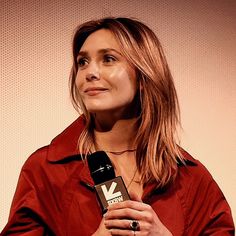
[94, 90]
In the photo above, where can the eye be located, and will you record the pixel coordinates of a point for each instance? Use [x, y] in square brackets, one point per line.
[82, 62]
[109, 58]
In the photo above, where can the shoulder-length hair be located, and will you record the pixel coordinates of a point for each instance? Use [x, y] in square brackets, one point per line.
[157, 152]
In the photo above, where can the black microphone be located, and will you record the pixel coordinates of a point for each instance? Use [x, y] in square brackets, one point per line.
[109, 188]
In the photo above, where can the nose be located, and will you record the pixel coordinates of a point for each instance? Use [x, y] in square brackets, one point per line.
[93, 72]
[91, 76]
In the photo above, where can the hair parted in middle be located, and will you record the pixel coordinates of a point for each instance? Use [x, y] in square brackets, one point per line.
[157, 150]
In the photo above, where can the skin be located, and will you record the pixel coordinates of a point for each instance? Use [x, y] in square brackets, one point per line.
[107, 84]
[116, 221]
[117, 218]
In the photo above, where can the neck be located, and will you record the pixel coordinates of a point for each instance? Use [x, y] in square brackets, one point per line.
[118, 138]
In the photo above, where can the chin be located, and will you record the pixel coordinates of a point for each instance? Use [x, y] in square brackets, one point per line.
[95, 109]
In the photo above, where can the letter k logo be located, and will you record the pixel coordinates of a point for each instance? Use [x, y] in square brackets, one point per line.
[109, 194]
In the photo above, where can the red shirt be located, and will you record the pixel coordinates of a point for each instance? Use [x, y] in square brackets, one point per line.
[54, 196]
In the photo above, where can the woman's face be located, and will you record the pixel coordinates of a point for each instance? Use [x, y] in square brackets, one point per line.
[105, 80]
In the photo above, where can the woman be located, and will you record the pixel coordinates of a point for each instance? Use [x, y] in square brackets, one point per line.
[121, 81]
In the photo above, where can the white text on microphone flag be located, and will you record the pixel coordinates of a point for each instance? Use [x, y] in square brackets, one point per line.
[109, 193]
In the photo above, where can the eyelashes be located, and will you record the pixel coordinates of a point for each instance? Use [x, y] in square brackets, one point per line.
[81, 62]
[107, 59]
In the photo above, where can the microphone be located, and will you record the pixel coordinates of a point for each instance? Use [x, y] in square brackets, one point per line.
[109, 188]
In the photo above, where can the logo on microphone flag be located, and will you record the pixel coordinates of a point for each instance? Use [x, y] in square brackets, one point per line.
[110, 194]
[111, 191]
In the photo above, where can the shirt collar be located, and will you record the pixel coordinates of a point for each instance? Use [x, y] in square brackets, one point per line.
[64, 146]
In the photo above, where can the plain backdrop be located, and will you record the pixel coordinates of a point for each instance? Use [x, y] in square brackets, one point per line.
[199, 39]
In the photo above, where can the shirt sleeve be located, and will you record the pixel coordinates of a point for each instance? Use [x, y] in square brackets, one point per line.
[24, 216]
[208, 210]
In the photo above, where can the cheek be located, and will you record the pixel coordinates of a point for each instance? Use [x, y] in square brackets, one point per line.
[123, 78]
[128, 82]
[78, 82]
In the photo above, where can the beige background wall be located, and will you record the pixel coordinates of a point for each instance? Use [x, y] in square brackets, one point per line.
[199, 38]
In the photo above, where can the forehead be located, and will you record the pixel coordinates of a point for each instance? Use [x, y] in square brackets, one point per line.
[100, 39]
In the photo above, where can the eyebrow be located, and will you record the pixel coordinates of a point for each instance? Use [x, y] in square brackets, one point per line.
[100, 51]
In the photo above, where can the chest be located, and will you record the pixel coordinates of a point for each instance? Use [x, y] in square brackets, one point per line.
[82, 212]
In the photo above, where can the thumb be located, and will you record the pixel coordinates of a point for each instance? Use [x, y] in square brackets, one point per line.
[135, 197]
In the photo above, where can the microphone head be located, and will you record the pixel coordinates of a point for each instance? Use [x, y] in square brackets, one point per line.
[100, 167]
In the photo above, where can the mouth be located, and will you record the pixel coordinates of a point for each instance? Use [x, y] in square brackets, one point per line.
[94, 90]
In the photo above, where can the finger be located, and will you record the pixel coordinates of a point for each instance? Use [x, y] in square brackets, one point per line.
[124, 232]
[139, 206]
[135, 197]
[126, 224]
[127, 213]
[117, 224]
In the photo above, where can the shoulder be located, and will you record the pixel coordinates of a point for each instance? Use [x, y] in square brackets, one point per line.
[193, 171]
[36, 159]
[194, 184]
[201, 198]
[194, 181]
[51, 166]
[61, 150]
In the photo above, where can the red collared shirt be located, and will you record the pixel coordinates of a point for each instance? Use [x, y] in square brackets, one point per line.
[55, 196]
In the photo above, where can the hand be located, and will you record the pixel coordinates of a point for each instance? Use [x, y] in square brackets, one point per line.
[119, 216]
[102, 230]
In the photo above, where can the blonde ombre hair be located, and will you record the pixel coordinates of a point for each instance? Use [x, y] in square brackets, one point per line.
[157, 152]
